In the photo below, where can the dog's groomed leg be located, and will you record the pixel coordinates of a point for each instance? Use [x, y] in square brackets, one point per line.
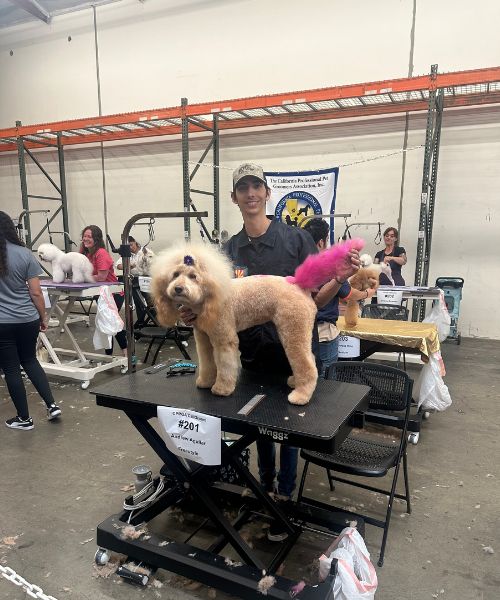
[297, 340]
[77, 275]
[58, 275]
[226, 359]
[207, 371]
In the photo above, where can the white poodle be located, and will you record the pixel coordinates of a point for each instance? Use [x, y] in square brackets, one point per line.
[143, 262]
[63, 264]
[367, 262]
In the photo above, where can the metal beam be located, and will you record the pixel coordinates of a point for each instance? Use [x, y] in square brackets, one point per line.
[34, 8]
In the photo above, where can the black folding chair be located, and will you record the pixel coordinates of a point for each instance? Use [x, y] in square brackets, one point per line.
[362, 455]
[393, 312]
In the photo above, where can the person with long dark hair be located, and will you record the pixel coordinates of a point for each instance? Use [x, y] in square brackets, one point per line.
[392, 255]
[92, 247]
[22, 316]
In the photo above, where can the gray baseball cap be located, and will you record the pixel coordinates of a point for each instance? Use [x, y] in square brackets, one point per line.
[248, 170]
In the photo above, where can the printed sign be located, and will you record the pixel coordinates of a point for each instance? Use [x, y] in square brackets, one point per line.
[297, 196]
[349, 347]
[145, 284]
[390, 297]
[191, 435]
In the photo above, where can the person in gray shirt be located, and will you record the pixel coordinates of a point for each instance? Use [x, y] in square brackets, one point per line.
[22, 316]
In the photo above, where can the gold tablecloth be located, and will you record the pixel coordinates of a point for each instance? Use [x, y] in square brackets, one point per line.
[423, 336]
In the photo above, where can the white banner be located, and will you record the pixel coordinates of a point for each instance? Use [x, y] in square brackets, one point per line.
[191, 435]
[297, 195]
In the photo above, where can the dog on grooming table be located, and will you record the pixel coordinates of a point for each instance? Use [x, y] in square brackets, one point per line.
[199, 277]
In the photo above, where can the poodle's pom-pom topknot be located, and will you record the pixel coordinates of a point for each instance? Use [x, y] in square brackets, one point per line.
[317, 269]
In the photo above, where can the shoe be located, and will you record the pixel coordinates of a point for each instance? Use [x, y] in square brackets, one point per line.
[277, 532]
[18, 423]
[53, 412]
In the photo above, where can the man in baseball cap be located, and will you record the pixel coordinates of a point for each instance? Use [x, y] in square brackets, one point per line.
[248, 170]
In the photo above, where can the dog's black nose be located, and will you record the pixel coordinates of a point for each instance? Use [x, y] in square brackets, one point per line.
[178, 289]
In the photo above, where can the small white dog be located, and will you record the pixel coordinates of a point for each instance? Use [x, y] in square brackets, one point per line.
[63, 264]
[367, 262]
[143, 262]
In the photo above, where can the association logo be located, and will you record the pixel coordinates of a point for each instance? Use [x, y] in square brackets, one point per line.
[294, 208]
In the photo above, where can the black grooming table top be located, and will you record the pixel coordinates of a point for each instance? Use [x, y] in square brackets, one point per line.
[314, 425]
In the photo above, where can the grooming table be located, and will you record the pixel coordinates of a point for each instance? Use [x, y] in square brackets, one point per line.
[384, 335]
[80, 365]
[413, 292]
[321, 425]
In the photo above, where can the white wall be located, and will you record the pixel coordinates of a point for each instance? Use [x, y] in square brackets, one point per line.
[153, 53]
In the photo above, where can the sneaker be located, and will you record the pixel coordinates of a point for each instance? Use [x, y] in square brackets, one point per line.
[18, 423]
[53, 412]
[277, 532]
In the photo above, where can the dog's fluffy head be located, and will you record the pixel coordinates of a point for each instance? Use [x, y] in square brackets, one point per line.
[48, 252]
[366, 260]
[196, 276]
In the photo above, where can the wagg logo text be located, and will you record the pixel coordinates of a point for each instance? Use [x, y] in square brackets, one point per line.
[276, 435]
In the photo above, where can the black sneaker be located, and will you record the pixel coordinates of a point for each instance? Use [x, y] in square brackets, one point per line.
[277, 532]
[18, 423]
[53, 412]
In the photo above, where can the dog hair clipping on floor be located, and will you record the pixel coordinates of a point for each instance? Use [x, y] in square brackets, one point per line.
[265, 584]
[188, 260]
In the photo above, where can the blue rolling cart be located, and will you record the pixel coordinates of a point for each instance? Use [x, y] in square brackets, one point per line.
[452, 288]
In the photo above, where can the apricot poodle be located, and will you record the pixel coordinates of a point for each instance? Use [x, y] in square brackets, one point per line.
[200, 278]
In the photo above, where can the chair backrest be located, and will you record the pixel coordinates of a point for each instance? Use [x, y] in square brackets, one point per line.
[385, 311]
[390, 388]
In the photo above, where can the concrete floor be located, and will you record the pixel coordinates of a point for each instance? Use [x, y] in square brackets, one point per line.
[61, 479]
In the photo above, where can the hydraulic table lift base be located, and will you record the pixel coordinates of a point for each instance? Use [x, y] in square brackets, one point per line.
[192, 483]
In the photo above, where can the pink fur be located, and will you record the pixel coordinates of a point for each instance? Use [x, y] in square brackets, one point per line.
[317, 269]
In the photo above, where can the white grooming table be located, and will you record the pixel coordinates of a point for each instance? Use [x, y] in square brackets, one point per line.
[73, 362]
[414, 292]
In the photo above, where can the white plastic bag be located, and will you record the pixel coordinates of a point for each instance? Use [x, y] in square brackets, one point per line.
[107, 320]
[356, 577]
[440, 316]
[430, 391]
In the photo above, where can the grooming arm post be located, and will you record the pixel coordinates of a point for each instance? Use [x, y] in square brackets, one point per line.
[127, 278]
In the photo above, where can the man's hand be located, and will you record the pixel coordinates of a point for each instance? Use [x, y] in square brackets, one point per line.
[371, 292]
[351, 265]
[43, 325]
[187, 315]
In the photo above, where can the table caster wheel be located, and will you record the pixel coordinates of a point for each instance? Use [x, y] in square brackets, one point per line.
[85, 384]
[124, 369]
[426, 414]
[101, 557]
[413, 438]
